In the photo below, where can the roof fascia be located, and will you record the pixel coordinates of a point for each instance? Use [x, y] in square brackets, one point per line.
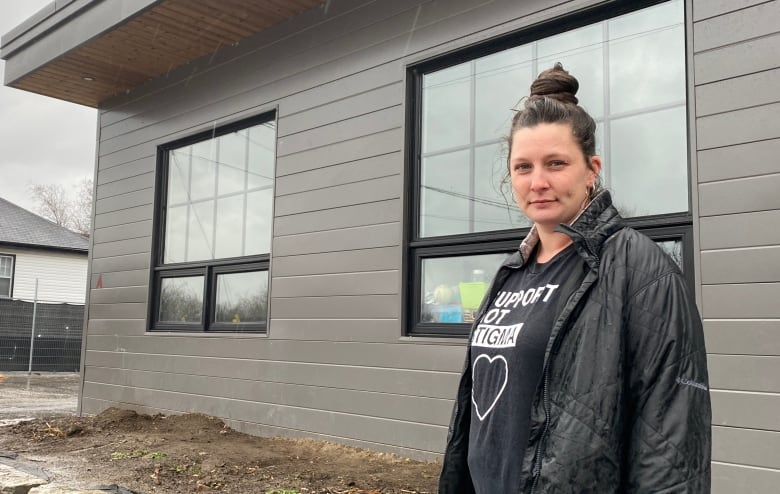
[48, 35]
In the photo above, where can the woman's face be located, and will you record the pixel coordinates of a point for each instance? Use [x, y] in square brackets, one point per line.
[550, 177]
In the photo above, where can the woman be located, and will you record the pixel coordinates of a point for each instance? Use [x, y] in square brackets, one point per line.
[586, 368]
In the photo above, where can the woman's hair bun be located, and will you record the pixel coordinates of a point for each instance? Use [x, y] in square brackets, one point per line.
[555, 83]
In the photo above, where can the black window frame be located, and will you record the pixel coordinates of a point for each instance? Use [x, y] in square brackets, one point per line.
[209, 268]
[661, 227]
[13, 276]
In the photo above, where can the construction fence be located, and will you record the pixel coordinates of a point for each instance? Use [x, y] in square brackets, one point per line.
[52, 330]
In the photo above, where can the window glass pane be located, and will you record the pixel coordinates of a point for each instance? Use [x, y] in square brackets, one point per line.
[262, 139]
[649, 154]
[232, 163]
[453, 287]
[239, 168]
[445, 199]
[674, 249]
[658, 76]
[258, 222]
[581, 53]
[242, 297]
[230, 223]
[494, 207]
[638, 103]
[176, 234]
[6, 264]
[5, 287]
[179, 177]
[446, 108]
[181, 299]
[204, 159]
[200, 233]
[500, 80]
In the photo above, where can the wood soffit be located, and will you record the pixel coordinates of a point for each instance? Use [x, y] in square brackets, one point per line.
[170, 34]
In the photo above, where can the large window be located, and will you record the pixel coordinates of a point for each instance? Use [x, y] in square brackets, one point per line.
[631, 69]
[6, 275]
[214, 230]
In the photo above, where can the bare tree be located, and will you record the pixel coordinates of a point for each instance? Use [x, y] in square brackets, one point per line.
[72, 211]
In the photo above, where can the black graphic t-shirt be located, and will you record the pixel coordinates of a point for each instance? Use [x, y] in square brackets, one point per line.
[507, 356]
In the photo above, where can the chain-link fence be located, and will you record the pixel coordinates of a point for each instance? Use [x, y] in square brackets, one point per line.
[52, 330]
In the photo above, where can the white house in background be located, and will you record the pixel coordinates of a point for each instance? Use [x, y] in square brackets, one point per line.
[33, 248]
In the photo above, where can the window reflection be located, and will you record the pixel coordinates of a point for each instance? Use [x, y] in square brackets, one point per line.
[638, 103]
[181, 299]
[675, 250]
[219, 196]
[453, 287]
[242, 297]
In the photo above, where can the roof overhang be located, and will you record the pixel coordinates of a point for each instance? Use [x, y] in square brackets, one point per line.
[86, 51]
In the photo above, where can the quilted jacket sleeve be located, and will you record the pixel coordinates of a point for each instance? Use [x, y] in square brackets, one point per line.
[669, 417]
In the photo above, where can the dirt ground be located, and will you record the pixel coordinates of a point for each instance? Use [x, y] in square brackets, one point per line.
[198, 453]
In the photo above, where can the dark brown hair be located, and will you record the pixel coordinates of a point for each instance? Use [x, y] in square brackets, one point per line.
[553, 100]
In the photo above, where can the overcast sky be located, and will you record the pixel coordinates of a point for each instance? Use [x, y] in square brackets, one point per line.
[42, 140]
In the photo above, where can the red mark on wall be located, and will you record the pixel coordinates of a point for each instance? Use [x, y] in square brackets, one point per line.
[99, 283]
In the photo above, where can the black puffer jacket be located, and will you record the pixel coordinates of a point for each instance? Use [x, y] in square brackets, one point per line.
[623, 404]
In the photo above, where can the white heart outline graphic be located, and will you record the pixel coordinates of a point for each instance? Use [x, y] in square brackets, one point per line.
[500, 391]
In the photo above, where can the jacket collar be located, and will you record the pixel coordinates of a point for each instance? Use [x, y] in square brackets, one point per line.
[589, 230]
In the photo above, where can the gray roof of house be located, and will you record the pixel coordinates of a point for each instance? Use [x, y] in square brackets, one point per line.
[21, 227]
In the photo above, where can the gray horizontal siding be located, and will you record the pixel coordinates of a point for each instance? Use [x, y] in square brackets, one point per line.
[747, 265]
[326, 285]
[351, 330]
[424, 436]
[124, 216]
[116, 327]
[365, 403]
[127, 231]
[742, 58]
[129, 262]
[743, 336]
[738, 127]
[437, 358]
[125, 185]
[744, 195]
[745, 373]
[728, 163]
[363, 237]
[378, 144]
[367, 214]
[340, 109]
[121, 247]
[378, 259]
[728, 409]
[126, 169]
[381, 380]
[740, 230]
[125, 294]
[337, 307]
[340, 174]
[378, 189]
[746, 447]
[741, 301]
[739, 92]
[117, 310]
[703, 9]
[138, 277]
[753, 22]
[728, 479]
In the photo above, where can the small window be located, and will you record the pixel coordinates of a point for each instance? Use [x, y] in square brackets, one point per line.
[463, 223]
[214, 224]
[6, 275]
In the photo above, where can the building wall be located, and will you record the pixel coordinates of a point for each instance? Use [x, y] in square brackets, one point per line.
[736, 73]
[334, 363]
[62, 276]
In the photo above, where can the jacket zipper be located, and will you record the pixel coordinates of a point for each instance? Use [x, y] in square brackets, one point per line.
[537, 467]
